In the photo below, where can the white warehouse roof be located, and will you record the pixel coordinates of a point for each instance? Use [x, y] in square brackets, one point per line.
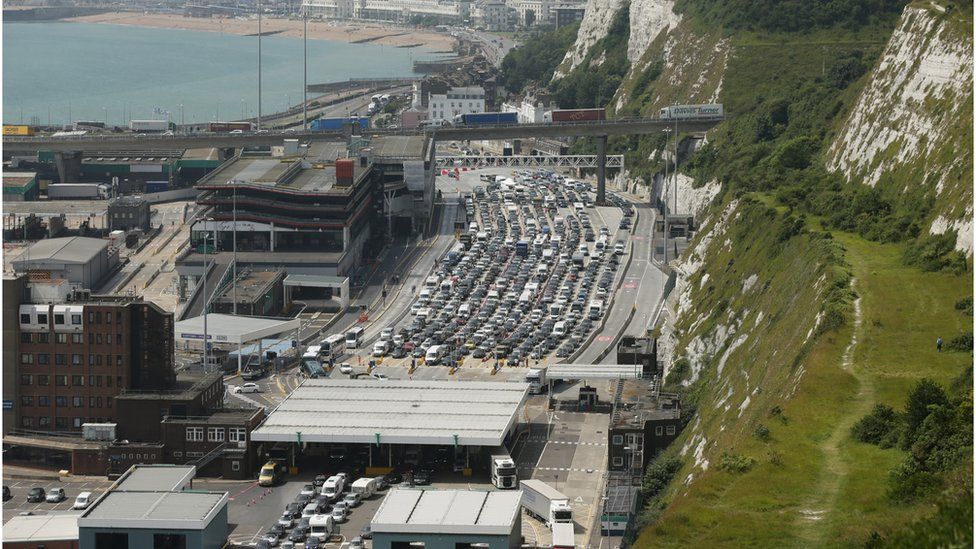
[239, 329]
[398, 411]
[448, 512]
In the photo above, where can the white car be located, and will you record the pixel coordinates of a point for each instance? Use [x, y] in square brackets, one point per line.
[248, 388]
[56, 495]
[345, 368]
[387, 333]
[381, 377]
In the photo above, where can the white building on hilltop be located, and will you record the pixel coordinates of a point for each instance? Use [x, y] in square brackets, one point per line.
[457, 101]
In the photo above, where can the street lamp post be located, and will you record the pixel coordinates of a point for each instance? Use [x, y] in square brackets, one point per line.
[305, 68]
[260, 9]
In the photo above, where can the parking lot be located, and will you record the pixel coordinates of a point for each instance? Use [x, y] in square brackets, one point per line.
[529, 279]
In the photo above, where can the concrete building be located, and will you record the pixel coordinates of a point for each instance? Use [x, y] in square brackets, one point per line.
[155, 506]
[193, 395]
[82, 262]
[532, 12]
[642, 424]
[129, 212]
[457, 101]
[531, 109]
[494, 15]
[448, 518]
[55, 531]
[14, 293]
[218, 442]
[639, 350]
[74, 359]
[567, 14]
[259, 293]
[396, 11]
[20, 186]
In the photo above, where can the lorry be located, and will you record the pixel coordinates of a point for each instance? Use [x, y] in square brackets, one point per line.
[503, 472]
[579, 115]
[149, 125]
[547, 504]
[336, 124]
[365, 487]
[684, 112]
[23, 131]
[77, 191]
[563, 536]
[486, 119]
[536, 378]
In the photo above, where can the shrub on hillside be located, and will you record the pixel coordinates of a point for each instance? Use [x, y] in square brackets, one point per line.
[962, 343]
[880, 427]
[735, 463]
[659, 473]
[965, 305]
[678, 372]
[925, 394]
[936, 252]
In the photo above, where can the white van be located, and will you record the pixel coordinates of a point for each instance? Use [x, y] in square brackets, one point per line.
[555, 310]
[432, 283]
[321, 527]
[381, 347]
[525, 298]
[435, 354]
[354, 337]
[473, 227]
[365, 487]
[333, 487]
[559, 329]
[464, 310]
[310, 510]
[83, 500]
[596, 309]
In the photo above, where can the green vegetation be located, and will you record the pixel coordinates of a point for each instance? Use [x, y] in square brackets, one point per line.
[537, 58]
[880, 427]
[791, 15]
[595, 81]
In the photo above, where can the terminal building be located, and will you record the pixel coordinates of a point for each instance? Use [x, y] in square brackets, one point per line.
[154, 506]
[448, 518]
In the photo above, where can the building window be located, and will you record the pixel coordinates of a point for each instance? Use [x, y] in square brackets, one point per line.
[98, 381]
[26, 358]
[42, 318]
[61, 422]
[59, 359]
[78, 381]
[670, 430]
[237, 434]
[91, 360]
[177, 454]
[61, 338]
[43, 358]
[76, 338]
[658, 431]
[61, 381]
[59, 319]
[43, 337]
[91, 317]
[76, 319]
[43, 421]
[25, 318]
[98, 317]
[26, 379]
[91, 402]
[235, 465]
[26, 401]
[43, 401]
[25, 337]
[61, 402]
[76, 359]
[26, 421]
[618, 440]
[108, 339]
[98, 339]
[108, 401]
[215, 434]
[108, 319]
[618, 462]
[194, 434]
[118, 360]
[78, 422]
[108, 381]
[77, 402]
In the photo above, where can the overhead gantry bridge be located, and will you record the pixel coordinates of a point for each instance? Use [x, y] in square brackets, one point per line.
[600, 130]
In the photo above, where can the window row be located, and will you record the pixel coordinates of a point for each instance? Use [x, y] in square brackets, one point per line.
[216, 434]
[62, 380]
[44, 422]
[60, 319]
[44, 401]
[79, 338]
[61, 359]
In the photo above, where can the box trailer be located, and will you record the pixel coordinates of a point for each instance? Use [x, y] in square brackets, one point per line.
[487, 119]
[229, 126]
[546, 503]
[683, 112]
[579, 115]
[77, 191]
[336, 124]
[149, 125]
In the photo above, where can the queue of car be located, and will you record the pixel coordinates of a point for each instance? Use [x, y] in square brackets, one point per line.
[522, 282]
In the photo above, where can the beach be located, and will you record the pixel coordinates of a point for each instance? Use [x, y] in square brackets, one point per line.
[317, 30]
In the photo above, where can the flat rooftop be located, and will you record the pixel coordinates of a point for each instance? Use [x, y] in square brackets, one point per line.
[156, 478]
[398, 146]
[638, 402]
[233, 328]
[201, 154]
[593, 371]
[73, 249]
[251, 286]
[281, 174]
[17, 180]
[397, 411]
[448, 512]
[187, 386]
[41, 528]
[326, 151]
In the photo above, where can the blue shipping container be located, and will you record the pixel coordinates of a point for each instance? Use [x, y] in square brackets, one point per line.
[489, 118]
[335, 124]
[157, 186]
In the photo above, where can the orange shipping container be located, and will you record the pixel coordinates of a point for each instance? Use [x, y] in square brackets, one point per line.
[344, 169]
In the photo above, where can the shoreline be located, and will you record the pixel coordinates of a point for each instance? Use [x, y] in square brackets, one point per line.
[400, 37]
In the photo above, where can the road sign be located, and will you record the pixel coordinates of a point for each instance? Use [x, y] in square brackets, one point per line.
[8, 405]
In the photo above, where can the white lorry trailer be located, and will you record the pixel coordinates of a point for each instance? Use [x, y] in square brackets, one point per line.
[536, 378]
[546, 504]
[563, 536]
[503, 472]
[77, 191]
[148, 125]
[684, 112]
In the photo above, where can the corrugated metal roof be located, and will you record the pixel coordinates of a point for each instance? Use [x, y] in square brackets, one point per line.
[157, 478]
[41, 528]
[73, 249]
[141, 508]
[448, 512]
[400, 411]
[593, 371]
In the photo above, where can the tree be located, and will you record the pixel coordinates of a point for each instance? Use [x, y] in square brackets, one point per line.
[926, 394]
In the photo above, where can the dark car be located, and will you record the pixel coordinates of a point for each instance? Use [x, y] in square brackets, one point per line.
[298, 534]
[277, 530]
[6, 493]
[319, 480]
[394, 477]
[294, 509]
[399, 352]
[36, 495]
[366, 532]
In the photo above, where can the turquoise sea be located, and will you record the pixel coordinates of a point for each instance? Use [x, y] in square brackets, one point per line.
[63, 71]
